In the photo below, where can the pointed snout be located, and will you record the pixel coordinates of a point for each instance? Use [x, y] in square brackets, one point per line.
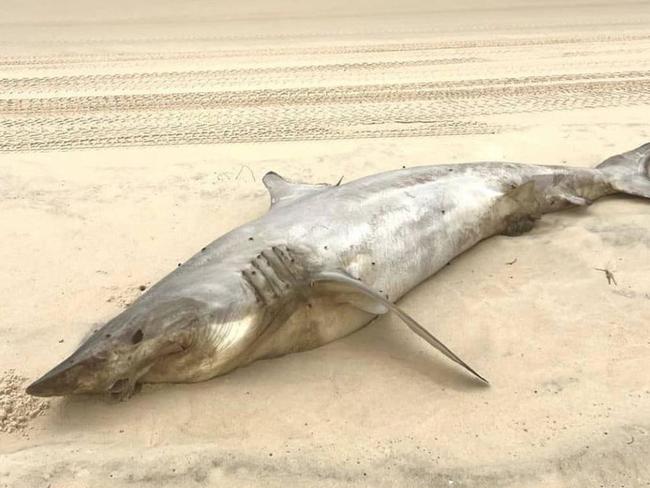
[57, 382]
[119, 353]
[47, 387]
[77, 374]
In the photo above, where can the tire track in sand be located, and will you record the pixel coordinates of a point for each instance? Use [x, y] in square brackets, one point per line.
[77, 59]
[311, 113]
[332, 93]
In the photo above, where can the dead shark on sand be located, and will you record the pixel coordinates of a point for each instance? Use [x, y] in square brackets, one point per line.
[321, 264]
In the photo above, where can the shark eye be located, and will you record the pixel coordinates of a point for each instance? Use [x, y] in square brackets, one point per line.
[137, 337]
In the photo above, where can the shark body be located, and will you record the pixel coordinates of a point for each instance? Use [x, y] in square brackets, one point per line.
[322, 263]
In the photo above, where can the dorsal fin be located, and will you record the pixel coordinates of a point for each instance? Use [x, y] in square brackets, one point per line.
[283, 191]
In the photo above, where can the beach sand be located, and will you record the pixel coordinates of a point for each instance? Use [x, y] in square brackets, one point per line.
[132, 135]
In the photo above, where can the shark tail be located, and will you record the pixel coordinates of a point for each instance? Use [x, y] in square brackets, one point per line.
[629, 172]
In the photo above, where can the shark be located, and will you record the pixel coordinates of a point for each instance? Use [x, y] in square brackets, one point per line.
[323, 262]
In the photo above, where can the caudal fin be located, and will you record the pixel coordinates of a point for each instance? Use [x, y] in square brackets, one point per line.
[629, 172]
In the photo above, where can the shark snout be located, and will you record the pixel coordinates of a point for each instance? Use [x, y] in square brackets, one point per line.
[63, 379]
[109, 364]
[115, 358]
[47, 387]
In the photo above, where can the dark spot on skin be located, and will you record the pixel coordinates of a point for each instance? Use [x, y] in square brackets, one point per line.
[61, 341]
[373, 263]
[443, 212]
[253, 272]
[270, 454]
[309, 305]
[293, 260]
[250, 238]
[142, 287]
[325, 247]
[203, 249]
[180, 264]
[137, 337]
[403, 167]
[108, 336]
[450, 170]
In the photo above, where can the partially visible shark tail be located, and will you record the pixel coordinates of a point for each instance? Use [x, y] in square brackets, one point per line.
[629, 172]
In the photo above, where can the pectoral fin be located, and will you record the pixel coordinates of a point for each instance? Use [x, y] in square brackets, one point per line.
[362, 302]
[343, 281]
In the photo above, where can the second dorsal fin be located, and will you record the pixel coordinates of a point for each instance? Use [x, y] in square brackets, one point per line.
[283, 191]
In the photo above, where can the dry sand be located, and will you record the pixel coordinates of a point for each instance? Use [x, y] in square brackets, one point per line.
[118, 131]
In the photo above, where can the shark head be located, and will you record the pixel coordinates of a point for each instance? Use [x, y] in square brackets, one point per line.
[204, 319]
[177, 339]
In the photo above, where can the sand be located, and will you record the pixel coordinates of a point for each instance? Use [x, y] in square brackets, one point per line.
[132, 134]
[17, 408]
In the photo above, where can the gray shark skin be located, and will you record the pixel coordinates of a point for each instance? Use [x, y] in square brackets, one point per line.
[322, 263]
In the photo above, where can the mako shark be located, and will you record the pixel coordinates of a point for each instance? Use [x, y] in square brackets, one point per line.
[322, 263]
